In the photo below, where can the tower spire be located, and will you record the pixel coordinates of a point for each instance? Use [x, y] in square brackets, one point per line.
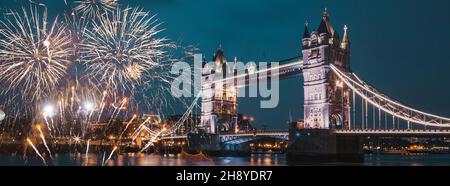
[306, 31]
[325, 25]
[219, 57]
[345, 44]
[325, 12]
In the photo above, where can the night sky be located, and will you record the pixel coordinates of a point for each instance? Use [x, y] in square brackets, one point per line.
[401, 47]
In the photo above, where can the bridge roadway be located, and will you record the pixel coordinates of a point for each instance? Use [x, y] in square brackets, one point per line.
[281, 134]
[241, 137]
[235, 138]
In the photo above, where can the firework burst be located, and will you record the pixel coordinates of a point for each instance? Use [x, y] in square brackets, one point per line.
[90, 9]
[33, 55]
[122, 49]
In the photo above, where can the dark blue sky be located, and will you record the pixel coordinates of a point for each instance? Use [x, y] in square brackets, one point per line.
[401, 47]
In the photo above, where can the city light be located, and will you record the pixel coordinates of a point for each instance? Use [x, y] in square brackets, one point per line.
[339, 84]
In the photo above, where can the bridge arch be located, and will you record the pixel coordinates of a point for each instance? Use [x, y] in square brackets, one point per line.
[336, 120]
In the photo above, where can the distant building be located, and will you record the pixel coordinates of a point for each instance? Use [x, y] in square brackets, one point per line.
[152, 119]
[189, 125]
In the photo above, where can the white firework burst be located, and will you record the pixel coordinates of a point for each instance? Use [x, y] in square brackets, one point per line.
[122, 50]
[34, 54]
[94, 8]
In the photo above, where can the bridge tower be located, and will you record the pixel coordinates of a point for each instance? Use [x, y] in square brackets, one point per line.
[326, 99]
[219, 99]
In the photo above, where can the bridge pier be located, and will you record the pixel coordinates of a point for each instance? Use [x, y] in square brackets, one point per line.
[213, 144]
[323, 145]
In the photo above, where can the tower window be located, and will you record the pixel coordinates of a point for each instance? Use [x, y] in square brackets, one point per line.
[314, 53]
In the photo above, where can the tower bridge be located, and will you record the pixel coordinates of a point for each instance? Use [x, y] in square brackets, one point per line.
[339, 107]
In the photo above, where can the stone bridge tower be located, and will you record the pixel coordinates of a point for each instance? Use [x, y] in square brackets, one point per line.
[326, 99]
[219, 99]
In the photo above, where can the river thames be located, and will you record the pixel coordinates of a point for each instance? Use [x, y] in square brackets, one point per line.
[137, 159]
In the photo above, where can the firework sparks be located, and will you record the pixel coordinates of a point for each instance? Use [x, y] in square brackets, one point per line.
[126, 127]
[122, 50]
[77, 139]
[153, 140]
[117, 110]
[45, 143]
[90, 9]
[48, 112]
[103, 158]
[37, 152]
[102, 106]
[87, 151]
[120, 55]
[139, 129]
[110, 155]
[33, 55]
[74, 108]
[124, 100]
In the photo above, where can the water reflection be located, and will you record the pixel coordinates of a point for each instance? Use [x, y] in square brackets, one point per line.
[139, 159]
[266, 159]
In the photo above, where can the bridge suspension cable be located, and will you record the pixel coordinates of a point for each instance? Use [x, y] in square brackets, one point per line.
[388, 105]
[154, 135]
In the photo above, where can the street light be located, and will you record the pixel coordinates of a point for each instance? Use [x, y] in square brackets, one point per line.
[252, 118]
